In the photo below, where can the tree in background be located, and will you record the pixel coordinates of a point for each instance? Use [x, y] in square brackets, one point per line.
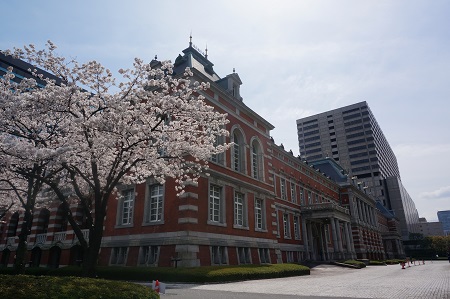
[152, 124]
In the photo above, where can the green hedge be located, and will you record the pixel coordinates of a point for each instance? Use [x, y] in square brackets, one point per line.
[197, 274]
[355, 263]
[40, 287]
[394, 261]
[376, 263]
[202, 274]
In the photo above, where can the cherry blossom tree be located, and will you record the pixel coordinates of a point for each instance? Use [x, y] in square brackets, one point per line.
[94, 134]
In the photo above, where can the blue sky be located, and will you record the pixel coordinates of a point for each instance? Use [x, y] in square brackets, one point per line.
[295, 58]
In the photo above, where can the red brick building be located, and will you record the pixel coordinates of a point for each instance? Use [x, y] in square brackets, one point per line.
[259, 204]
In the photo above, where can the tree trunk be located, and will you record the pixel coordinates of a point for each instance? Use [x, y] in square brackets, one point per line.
[92, 252]
[22, 250]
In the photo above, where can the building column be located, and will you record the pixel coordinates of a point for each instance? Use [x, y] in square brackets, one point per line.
[310, 238]
[374, 216]
[334, 235]
[321, 240]
[366, 207]
[305, 239]
[361, 215]
[348, 239]
[339, 236]
[352, 208]
[326, 236]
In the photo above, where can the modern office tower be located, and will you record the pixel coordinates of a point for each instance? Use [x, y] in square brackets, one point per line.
[444, 217]
[352, 137]
[403, 207]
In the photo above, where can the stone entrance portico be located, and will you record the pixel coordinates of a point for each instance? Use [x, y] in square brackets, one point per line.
[318, 221]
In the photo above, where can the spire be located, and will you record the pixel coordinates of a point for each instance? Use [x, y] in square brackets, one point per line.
[234, 70]
[190, 40]
[206, 51]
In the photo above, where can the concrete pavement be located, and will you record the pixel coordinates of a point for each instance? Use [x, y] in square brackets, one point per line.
[429, 281]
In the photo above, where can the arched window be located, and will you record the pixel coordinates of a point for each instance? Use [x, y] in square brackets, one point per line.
[13, 224]
[257, 160]
[61, 219]
[238, 152]
[43, 220]
[220, 157]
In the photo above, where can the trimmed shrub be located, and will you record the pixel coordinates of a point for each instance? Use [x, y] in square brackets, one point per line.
[394, 261]
[40, 287]
[377, 263]
[355, 263]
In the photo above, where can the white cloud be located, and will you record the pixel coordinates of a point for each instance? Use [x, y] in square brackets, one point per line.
[439, 151]
[443, 192]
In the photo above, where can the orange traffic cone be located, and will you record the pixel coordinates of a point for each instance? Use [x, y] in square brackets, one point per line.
[157, 286]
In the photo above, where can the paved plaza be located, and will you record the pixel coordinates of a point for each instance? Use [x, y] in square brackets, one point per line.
[431, 280]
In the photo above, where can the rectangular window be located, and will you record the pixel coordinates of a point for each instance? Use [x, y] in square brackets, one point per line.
[283, 188]
[259, 214]
[264, 256]
[236, 157]
[286, 226]
[289, 256]
[215, 196]
[309, 198]
[244, 255]
[127, 207]
[155, 203]
[293, 195]
[218, 255]
[296, 228]
[302, 197]
[149, 255]
[119, 255]
[239, 209]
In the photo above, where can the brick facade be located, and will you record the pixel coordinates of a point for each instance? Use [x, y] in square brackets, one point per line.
[259, 204]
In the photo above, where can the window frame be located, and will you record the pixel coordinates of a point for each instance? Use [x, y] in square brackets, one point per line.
[216, 205]
[264, 255]
[283, 194]
[293, 192]
[240, 210]
[297, 232]
[238, 153]
[152, 199]
[149, 255]
[286, 226]
[119, 256]
[219, 254]
[262, 210]
[130, 208]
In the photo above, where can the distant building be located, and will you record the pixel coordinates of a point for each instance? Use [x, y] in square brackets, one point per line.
[444, 218]
[430, 228]
[352, 137]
